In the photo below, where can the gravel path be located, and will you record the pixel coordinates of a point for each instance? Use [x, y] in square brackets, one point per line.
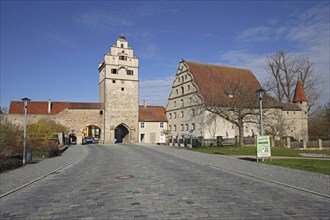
[16, 178]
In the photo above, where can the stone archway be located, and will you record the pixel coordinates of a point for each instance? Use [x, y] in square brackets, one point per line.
[92, 133]
[122, 134]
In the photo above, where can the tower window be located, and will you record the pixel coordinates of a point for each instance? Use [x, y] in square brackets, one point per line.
[122, 88]
[122, 58]
[113, 81]
[130, 72]
[114, 71]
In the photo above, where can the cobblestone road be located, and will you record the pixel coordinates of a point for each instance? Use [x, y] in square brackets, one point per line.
[137, 182]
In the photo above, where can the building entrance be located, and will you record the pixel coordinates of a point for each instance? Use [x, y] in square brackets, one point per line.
[122, 134]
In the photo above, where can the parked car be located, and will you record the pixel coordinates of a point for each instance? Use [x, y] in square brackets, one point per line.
[96, 140]
[88, 140]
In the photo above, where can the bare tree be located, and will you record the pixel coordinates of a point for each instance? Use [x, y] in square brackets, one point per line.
[285, 69]
[238, 104]
[277, 125]
[211, 122]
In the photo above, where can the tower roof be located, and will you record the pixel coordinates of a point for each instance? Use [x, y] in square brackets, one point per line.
[299, 94]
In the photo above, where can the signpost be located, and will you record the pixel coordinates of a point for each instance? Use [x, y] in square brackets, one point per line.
[263, 147]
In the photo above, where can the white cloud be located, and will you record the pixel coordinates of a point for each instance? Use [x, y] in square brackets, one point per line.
[308, 32]
[244, 59]
[155, 91]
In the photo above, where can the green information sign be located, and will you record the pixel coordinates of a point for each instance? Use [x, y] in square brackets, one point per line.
[263, 146]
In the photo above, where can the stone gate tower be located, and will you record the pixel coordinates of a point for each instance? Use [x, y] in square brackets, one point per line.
[118, 91]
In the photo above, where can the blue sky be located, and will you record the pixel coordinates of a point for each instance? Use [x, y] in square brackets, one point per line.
[51, 49]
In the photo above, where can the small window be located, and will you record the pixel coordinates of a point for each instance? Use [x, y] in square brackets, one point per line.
[169, 127]
[193, 126]
[161, 124]
[182, 103]
[174, 126]
[113, 81]
[170, 115]
[182, 90]
[185, 76]
[182, 78]
[130, 72]
[181, 115]
[188, 87]
[177, 91]
[174, 115]
[174, 103]
[122, 58]
[190, 100]
[142, 125]
[187, 127]
[114, 71]
[122, 88]
[181, 127]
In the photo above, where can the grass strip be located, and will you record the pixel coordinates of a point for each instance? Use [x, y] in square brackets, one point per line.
[311, 165]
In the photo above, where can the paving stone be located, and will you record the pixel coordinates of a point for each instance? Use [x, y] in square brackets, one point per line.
[158, 182]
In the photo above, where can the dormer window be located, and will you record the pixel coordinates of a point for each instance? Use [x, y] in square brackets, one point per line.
[229, 93]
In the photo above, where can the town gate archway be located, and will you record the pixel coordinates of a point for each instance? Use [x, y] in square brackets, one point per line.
[122, 134]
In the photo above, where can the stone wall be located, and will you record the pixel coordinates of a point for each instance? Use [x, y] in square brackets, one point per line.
[74, 119]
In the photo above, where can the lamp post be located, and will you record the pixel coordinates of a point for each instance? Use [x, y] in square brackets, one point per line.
[26, 102]
[261, 92]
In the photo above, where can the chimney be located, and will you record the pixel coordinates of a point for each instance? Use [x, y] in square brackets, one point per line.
[49, 106]
[145, 104]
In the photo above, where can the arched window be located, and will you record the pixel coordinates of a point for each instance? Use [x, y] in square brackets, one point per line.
[182, 90]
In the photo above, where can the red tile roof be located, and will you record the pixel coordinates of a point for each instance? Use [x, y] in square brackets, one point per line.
[152, 114]
[215, 83]
[299, 94]
[16, 107]
[290, 107]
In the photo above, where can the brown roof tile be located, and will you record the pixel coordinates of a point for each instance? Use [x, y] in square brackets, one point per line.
[36, 107]
[290, 107]
[152, 114]
[215, 83]
[299, 94]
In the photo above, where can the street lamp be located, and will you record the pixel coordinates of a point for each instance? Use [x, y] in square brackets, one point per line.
[261, 92]
[26, 102]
